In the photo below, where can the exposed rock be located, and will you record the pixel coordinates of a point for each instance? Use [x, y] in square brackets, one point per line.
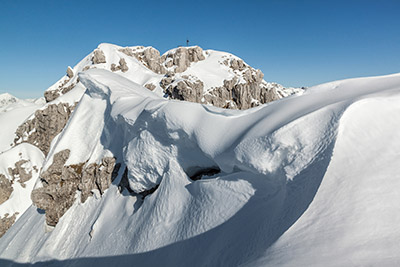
[248, 92]
[6, 222]
[62, 88]
[60, 183]
[150, 86]
[149, 56]
[167, 80]
[187, 89]
[122, 66]
[19, 173]
[182, 57]
[45, 125]
[51, 95]
[5, 188]
[114, 67]
[68, 88]
[98, 57]
[70, 72]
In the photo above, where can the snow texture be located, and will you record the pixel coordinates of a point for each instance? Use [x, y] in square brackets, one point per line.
[308, 180]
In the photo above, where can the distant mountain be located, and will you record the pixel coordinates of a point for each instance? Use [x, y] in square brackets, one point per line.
[9, 102]
[114, 169]
[7, 99]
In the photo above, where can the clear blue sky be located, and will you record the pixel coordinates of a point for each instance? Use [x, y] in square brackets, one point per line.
[295, 43]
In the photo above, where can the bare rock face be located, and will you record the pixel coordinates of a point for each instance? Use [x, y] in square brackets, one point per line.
[19, 173]
[122, 66]
[98, 57]
[5, 189]
[61, 182]
[6, 222]
[183, 57]
[62, 87]
[45, 125]
[149, 56]
[188, 89]
[70, 72]
[51, 95]
[150, 86]
[249, 92]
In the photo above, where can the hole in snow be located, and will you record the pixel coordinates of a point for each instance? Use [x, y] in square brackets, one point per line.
[197, 173]
[124, 184]
[148, 192]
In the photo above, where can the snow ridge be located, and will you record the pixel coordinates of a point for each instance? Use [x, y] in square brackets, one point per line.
[293, 182]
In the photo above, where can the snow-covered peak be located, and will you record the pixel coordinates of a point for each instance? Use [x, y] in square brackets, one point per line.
[6, 99]
[186, 73]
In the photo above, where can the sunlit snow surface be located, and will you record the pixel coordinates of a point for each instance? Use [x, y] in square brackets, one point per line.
[308, 180]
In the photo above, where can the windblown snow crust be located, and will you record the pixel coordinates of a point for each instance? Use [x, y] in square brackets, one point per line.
[307, 180]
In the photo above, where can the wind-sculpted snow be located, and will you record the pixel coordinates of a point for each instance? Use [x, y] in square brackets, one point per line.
[307, 180]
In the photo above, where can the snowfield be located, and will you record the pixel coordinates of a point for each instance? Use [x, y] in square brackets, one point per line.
[308, 180]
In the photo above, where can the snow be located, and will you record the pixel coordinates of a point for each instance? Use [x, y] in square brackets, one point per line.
[354, 213]
[308, 180]
[13, 112]
[20, 199]
[211, 71]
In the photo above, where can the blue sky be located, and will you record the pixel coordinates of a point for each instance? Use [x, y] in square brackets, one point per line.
[295, 43]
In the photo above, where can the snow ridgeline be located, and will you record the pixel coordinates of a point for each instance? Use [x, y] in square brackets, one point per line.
[186, 73]
[306, 180]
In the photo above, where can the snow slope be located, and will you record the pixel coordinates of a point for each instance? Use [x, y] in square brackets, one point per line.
[13, 112]
[308, 180]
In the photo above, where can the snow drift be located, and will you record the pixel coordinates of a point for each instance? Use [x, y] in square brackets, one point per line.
[308, 180]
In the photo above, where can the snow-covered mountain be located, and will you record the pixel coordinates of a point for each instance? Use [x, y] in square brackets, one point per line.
[121, 173]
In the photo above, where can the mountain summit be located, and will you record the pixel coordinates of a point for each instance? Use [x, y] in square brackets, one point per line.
[185, 73]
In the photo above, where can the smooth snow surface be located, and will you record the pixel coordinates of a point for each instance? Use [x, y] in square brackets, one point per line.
[308, 180]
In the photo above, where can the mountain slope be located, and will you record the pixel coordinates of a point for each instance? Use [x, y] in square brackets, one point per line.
[186, 73]
[172, 183]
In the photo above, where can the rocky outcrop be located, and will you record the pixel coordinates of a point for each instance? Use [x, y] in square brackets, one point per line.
[122, 66]
[240, 95]
[61, 182]
[248, 91]
[44, 126]
[6, 222]
[182, 57]
[62, 88]
[176, 61]
[5, 189]
[19, 173]
[98, 57]
[149, 56]
[51, 95]
[70, 72]
[188, 89]
[150, 86]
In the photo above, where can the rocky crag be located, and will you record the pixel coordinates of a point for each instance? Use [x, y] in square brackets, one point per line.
[242, 88]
